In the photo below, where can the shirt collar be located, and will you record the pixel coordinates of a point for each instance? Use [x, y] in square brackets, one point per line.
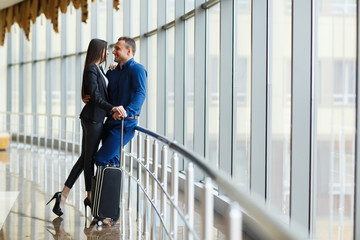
[127, 63]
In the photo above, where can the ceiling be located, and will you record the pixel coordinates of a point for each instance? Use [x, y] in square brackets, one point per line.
[8, 3]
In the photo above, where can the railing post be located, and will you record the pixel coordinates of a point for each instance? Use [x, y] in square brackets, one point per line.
[24, 131]
[234, 222]
[59, 135]
[38, 131]
[164, 155]
[122, 165]
[146, 203]
[189, 196]
[66, 136]
[154, 188]
[138, 170]
[52, 135]
[18, 130]
[32, 133]
[45, 133]
[174, 191]
[73, 137]
[207, 210]
[130, 173]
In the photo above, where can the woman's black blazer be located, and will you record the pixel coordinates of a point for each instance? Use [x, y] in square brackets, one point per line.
[94, 85]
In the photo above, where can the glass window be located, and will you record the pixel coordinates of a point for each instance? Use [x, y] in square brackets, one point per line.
[71, 29]
[137, 53]
[170, 77]
[280, 110]
[15, 43]
[152, 5]
[41, 37]
[135, 18]
[27, 48]
[343, 6]
[118, 22]
[85, 28]
[344, 82]
[41, 97]
[243, 5]
[152, 82]
[15, 96]
[27, 88]
[189, 5]
[212, 82]
[170, 10]
[189, 82]
[334, 131]
[102, 19]
[242, 101]
[55, 87]
[55, 50]
[71, 95]
[3, 77]
[15, 88]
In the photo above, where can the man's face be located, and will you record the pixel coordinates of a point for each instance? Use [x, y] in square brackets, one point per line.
[121, 53]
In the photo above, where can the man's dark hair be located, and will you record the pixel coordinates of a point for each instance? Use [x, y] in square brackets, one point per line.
[129, 43]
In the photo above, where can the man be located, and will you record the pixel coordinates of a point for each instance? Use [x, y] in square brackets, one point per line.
[127, 89]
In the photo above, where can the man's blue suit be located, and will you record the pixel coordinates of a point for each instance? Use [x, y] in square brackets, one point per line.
[127, 87]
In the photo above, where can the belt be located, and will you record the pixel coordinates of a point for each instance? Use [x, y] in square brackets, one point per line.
[132, 117]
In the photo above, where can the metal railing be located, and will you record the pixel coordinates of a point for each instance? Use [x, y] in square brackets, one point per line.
[51, 131]
[160, 211]
[267, 223]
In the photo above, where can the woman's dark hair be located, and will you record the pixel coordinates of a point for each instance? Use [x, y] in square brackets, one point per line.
[96, 51]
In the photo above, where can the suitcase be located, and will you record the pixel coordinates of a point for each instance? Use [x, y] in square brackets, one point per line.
[105, 189]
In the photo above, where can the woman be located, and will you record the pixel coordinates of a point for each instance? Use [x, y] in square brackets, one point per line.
[92, 116]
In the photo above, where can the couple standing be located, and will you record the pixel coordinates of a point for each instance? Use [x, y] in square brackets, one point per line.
[118, 93]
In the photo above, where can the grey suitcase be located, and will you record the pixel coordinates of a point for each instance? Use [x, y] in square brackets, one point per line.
[105, 189]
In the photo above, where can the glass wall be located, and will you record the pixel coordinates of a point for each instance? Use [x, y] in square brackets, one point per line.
[135, 18]
[118, 19]
[333, 96]
[152, 82]
[170, 78]
[70, 30]
[334, 152]
[189, 83]
[213, 82]
[280, 104]
[242, 98]
[102, 13]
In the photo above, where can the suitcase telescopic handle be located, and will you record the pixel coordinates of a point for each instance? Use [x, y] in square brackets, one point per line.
[121, 139]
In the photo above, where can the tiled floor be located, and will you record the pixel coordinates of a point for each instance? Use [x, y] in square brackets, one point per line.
[28, 179]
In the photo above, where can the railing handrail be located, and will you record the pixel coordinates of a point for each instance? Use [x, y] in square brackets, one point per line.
[40, 114]
[252, 204]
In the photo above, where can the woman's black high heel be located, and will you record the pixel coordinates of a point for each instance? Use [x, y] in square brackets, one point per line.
[87, 203]
[56, 209]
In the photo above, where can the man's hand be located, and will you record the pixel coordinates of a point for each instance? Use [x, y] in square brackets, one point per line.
[119, 112]
[86, 99]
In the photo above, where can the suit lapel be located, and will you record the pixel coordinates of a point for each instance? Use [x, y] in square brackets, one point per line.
[103, 82]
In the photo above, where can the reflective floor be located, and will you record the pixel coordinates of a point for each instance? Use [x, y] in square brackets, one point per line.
[28, 179]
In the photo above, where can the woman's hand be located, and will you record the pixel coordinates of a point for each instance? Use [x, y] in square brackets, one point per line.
[86, 99]
[112, 66]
